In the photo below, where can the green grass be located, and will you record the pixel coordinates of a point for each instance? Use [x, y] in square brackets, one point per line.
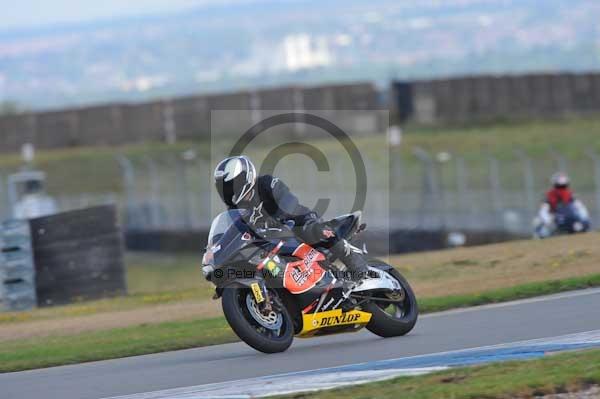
[156, 272]
[570, 372]
[110, 344]
[52, 351]
[152, 279]
[529, 290]
[536, 137]
[134, 301]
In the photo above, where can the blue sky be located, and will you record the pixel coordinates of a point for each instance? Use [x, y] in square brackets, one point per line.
[21, 14]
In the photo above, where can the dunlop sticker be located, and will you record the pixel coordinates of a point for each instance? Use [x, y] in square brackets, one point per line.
[332, 318]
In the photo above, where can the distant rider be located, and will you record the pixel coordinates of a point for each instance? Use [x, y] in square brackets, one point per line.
[270, 200]
[560, 194]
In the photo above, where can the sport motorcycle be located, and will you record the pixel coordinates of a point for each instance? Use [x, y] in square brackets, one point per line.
[274, 287]
[571, 218]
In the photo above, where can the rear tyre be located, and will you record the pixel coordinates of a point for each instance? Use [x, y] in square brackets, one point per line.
[393, 319]
[266, 333]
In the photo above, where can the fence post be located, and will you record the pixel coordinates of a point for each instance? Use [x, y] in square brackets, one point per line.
[299, 128]
[169, 125]
[395, 186]
[430, 189]
[561, 162]
[255, 107]
[192, 191]
[184, 191]
[5, 212]
[596, 160]
[128, 175]
[152, 170]
[396, 172]
[205, 194]
[528, 181]
[495, 188]
[462, 187]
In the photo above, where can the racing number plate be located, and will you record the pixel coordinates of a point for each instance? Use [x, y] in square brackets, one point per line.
[257, 292]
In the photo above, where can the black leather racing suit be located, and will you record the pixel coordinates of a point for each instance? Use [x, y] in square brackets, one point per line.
[272, 202]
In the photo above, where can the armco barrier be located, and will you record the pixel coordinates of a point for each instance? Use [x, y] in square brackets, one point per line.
[17, 272]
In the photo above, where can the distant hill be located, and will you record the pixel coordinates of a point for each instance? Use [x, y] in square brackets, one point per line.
[251, 43]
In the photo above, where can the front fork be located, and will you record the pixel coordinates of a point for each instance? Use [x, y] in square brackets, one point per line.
[261, 295]
[256, 285]
[269, 264]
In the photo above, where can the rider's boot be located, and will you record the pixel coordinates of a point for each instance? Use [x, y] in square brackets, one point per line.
[353, 260]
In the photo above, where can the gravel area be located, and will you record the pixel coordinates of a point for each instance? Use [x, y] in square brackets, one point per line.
[591, 393]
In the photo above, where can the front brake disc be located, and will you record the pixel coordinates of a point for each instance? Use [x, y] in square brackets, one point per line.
[271, 320]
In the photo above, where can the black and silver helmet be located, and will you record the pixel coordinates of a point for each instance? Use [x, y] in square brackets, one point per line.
[235, 177]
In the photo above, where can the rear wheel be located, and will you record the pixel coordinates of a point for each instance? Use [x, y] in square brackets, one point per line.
[396, 314]
[267, 332]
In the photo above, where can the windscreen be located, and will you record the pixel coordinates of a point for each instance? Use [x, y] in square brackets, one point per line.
[221, 223]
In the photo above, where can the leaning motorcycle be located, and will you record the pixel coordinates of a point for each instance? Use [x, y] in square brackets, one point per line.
[568, 219]
[274, 287]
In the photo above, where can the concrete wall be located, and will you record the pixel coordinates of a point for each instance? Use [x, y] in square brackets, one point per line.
[184, 118]
[459, 100]
[484, 98]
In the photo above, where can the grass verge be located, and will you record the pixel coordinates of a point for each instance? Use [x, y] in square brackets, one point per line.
[171, 279]
[69, 169]
[118, 304]
[571, 372]
[115, 343]
[110, 344]
[523, 291]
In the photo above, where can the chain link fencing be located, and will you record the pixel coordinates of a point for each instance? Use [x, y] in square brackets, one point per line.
[426, 190]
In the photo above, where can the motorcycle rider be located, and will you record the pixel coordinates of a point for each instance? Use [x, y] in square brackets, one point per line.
[560, 194]
[270, 200]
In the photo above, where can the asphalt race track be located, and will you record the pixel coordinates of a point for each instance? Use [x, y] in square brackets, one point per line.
[550, 316]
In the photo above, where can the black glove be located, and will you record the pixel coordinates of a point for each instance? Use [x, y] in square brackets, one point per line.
[318, 231]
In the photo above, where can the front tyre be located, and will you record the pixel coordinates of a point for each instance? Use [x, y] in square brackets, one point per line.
[266, 332]
[392, 319]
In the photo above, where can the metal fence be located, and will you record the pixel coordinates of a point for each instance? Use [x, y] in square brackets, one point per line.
[485, 192]
[423, 190]
[417, 189]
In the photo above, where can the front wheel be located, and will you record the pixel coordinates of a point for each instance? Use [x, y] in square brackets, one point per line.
[396, 314]
[268, 332]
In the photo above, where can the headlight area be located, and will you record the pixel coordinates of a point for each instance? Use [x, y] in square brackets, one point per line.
[208, 271]
[208, 264]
